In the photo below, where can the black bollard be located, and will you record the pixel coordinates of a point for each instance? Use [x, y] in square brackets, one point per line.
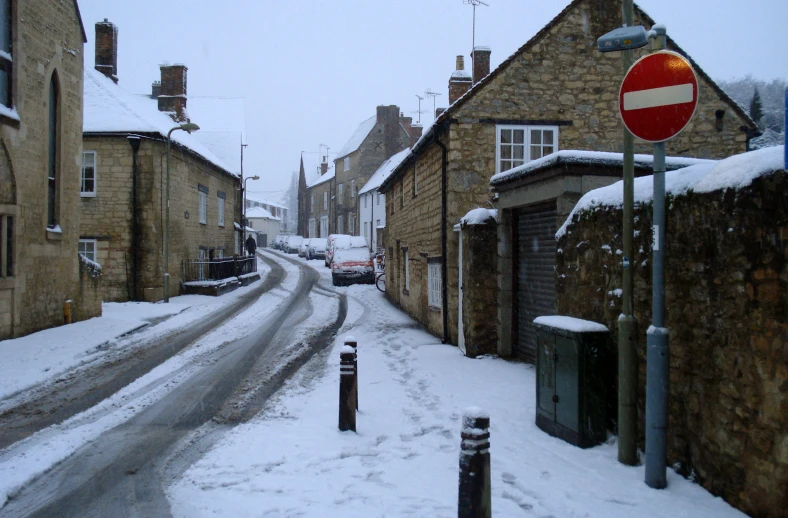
[474, 491]
[351, 341]
[347, 390]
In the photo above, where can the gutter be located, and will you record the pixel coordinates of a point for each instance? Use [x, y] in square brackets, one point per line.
[444, 237]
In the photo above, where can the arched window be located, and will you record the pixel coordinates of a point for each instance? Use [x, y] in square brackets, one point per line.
[52, 165]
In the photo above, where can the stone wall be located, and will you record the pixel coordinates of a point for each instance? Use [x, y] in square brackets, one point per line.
[107, 217]
[727, 311]
[480, 286]
[87, 296]
[47, 42]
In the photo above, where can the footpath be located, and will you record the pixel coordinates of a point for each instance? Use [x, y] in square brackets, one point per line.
[291, 460]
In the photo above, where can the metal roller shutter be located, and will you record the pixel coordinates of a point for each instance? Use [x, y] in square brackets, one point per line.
[535, 269]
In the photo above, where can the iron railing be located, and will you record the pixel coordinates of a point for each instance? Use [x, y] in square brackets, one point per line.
[218, 269]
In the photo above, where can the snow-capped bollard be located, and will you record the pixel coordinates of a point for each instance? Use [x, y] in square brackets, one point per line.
[474, 492]
[347, 389]
[351, 341]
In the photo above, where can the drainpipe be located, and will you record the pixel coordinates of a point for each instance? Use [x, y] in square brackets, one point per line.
[444, 236]
[134, 141]
[373, 232]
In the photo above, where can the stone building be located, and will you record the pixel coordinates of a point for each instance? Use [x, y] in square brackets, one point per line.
[316, 182]
[555, 92]
[374, 141]
[124, 179]
[41, 274]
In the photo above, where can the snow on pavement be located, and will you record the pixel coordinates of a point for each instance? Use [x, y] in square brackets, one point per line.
[292, 461]
[41, 356]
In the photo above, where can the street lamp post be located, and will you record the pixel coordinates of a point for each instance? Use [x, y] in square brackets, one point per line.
[187, 127]
[244, 218]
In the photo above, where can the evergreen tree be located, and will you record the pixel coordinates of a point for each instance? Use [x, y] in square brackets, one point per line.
[756, 108]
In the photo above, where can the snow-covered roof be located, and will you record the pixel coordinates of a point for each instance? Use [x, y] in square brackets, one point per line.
[362, 130]
[589, 158]
[736, 172]
[222, 122]
[259, 212]
[312, 175]
[383, 172]
[479, 216]
[108, 108]
[258, 199]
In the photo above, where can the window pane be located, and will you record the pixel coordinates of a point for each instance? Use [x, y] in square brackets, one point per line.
[5, 26]
[547, 150]
[548, 137]
[5, 91]
[504, 165]
[518, 152]
[9, 246]
[516, 163]
[519, 136]
[536, 152]
[506, 136]
[536, 137]
[89, 185]
[506, 152]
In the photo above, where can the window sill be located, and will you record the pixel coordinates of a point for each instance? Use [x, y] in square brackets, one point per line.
[54, 235]
[405, 292]
[7, 283]
[203, 222]
[433, 308]
[9, 121]
[87, 195]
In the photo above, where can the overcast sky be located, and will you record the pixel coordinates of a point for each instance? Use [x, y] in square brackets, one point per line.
[311, 70]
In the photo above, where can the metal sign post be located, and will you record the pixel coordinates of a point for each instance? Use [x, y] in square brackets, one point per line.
[657, 100]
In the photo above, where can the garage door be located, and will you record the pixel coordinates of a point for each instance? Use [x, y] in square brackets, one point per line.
[535, 268]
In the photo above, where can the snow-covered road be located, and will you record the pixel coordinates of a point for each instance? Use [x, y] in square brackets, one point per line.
[291, 460]
[110, 459]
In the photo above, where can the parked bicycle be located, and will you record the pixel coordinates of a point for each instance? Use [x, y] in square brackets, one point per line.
[380, 275]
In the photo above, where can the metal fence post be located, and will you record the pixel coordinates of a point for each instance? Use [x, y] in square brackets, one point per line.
[347, 396]
[351, 341]
[474, 490]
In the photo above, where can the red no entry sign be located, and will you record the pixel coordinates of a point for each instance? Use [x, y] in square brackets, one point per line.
[658, 96]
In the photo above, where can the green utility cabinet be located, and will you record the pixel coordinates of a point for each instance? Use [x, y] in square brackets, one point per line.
[571, 358]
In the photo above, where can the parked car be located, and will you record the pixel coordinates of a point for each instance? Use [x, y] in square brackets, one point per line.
[352, 265]
[276, 244]
[330, 246]
[292, 245]
[317, 248]
[302, 250]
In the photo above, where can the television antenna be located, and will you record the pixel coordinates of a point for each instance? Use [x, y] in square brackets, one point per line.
[419, 110]
[429, 93]
[474, 3]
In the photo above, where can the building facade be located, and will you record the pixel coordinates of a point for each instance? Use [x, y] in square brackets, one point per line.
[372, 203]
[556, 92]
[124, 183]
[40, 147]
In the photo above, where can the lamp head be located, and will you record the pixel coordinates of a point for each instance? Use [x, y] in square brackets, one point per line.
[189, 127]
[255, 178]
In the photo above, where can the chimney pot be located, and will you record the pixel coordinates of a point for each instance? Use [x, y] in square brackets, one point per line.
[460, 63]
[459, 82]
[172, 94]
[106, 60]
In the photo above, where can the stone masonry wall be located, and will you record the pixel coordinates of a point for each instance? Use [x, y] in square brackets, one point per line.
[46, 41]
[480, 286]
[727, 310]
[414, 222]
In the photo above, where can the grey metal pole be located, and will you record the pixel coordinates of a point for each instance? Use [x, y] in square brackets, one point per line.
[627, 323]
[167, 225]
[658, 354]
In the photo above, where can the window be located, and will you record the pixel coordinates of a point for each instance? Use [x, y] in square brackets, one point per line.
[517, 145]
[340, 192]
[6, 59]
[353, 192]
[402, 195]
[352, 223]
[377, 224]
[312, 228]
[415, 181]
[406, 266]
[52, 162]
[203, 191]
[325, 200]
[366, 234]
[220, 253]
[87, 249]
[323, 226]
[347, 163]
[434, 284]
[220, 207]
[312, 204]
[7, 245]
[88, 186]
[340, 225]
[365, 201]
[378, 194]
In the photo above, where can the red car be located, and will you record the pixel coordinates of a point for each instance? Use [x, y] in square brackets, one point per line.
[351, 266]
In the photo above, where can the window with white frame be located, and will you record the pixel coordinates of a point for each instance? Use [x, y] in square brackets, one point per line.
[323, 226]
[347, 163]
[203, 192]
[406, 266]
[312, 228]
[353, 192]
[340, 192]
[352, 223]
[377, 224]
[434, 284]
[378, 194]
[220, 207]
[365, 201]
[88, 183]
[340, 224]
[325, 200]
[516, 145]
[6, 59]
[366, 234]
[87, 249]
[312, 204]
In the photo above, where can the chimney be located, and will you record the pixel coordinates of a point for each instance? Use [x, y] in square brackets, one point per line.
[414, 130]
[324, 166]
[481, 63]
[389, 116]
[155, 89]
[107, 49]
[460, 81]
[439, 112]
[172, 96]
